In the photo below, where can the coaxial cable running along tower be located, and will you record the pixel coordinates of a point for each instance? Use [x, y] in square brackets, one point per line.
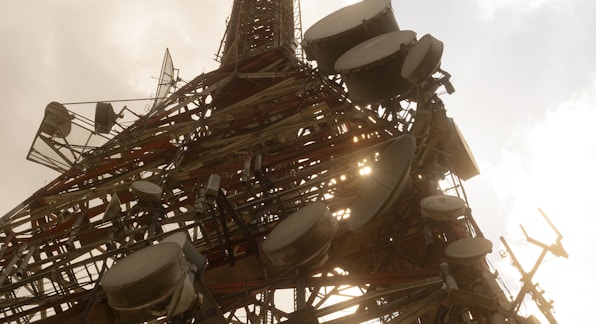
[273, 189]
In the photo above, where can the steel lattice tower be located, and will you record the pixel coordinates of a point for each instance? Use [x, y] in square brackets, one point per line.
[235, 152]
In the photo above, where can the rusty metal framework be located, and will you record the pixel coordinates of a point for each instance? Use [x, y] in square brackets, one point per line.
[257, 26]
[264, 104]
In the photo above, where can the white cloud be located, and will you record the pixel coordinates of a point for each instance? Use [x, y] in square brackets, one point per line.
[489, 9]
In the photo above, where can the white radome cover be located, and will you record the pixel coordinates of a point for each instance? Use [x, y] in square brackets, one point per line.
[374, 50]
[345, 19]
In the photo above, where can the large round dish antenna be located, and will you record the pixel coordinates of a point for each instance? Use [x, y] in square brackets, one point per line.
[341, 30]
[301, 237]
[381, 189]
[372, 69]
[145, 277]
[56, 121]
[423, 59]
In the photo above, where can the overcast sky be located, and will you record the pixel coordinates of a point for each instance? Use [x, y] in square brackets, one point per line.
[525, 100]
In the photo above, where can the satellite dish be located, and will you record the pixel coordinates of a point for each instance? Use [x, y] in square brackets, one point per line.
[166, 79]
[442, 207]
[113, 208]
[381, 189]
[469, 251]
[105, 117]
[302, 237]
[423, 59]
[372, 69]
[146, 191]
[146, 279]
[341, 30]
[56, 120]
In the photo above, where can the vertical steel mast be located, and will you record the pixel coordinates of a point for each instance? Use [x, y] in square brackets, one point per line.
[257, 26]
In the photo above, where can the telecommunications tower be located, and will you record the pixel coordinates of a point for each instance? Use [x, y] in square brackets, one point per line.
[277, 188]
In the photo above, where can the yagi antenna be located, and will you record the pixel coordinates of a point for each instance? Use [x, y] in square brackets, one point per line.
[556, 248]
[528, 287]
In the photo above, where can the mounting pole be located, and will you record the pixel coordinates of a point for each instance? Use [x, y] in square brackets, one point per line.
[528, 286]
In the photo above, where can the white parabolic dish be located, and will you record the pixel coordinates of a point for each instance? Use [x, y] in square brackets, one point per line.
[301, 236]
[374, 50]
[423, 59]
[385, 184]
[345, 19]
[345, 28]
[144, 277]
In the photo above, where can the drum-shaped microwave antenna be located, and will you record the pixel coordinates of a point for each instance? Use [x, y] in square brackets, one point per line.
[381, 189]
[56, 121]
[146, 191]
[145, 278]
[469, 251]
[372, 69]
[423, 59]
[105, 117]
[330, 37]
[302, 237]
[442, 207]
